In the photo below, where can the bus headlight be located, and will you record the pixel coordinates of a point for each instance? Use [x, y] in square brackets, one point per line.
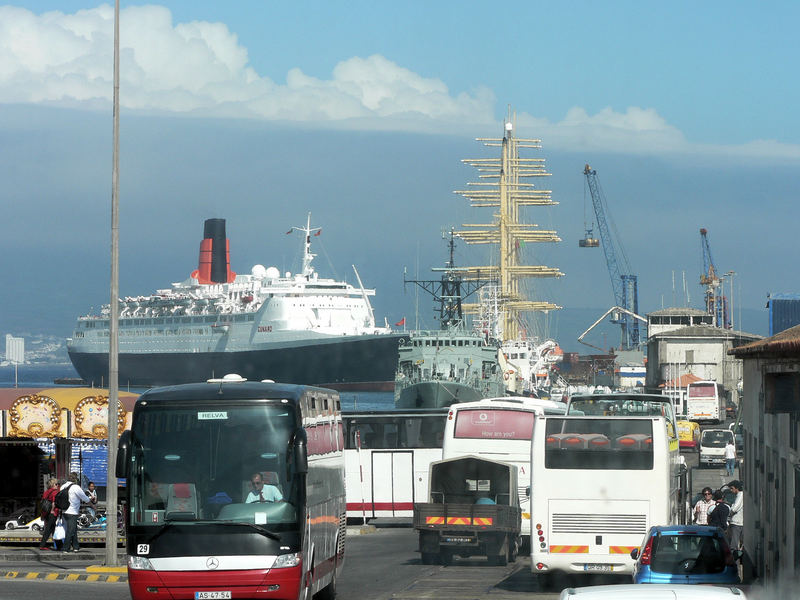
[288, 560]
[139, 562]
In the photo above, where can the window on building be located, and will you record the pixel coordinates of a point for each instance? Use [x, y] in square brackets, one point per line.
[689, 357]
[782, 393]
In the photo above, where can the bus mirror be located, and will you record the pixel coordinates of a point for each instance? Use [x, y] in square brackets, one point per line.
[528, 491]
[300, 452]
[123, 447]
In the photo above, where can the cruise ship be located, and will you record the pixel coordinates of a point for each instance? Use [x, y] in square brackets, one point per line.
[293, 328]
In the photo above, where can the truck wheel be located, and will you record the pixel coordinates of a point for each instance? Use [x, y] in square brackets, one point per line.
[429, 558]
[446, 556]
[513, 548]
[497, 559]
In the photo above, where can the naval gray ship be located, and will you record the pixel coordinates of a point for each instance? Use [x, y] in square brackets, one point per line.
[293, 328]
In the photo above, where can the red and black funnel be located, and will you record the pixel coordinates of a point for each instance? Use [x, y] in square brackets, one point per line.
[214, 265]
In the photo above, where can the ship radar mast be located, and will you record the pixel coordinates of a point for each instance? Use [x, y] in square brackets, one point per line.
[308, 256]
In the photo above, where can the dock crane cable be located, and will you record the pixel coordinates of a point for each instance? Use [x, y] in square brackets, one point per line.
[623, 282]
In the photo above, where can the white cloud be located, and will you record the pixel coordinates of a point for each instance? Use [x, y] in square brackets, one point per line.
[199, 68]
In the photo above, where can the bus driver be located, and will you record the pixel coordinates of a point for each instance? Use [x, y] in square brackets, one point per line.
[262, 492]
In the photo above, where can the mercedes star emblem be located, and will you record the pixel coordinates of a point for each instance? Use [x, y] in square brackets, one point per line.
[212, 563]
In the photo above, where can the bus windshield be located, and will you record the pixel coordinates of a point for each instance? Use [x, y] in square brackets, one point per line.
[619, 444]
[196, 465]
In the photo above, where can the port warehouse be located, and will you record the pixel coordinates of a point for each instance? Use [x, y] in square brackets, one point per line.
[46, 431]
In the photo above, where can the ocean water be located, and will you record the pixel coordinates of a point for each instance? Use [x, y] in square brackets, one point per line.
[44, 375]
[90, 458]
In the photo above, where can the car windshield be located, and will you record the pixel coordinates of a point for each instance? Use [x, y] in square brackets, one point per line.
[716, 438]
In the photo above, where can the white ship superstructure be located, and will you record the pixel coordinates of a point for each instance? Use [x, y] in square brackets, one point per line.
[293, 328]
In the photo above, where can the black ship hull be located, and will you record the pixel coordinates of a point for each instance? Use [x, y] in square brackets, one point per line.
[366, 363]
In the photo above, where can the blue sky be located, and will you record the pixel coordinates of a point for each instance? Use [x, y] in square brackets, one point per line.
[361, 113]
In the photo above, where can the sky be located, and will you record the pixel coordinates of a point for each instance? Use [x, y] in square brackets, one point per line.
[361, 113]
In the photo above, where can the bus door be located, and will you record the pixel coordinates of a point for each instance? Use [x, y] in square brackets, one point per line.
[392, 483]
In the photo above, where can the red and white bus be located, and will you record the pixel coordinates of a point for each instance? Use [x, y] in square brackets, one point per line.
[197, 526]
[387, 456]
[705, 402]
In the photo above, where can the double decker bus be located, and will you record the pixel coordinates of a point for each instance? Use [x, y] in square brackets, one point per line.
[599, 484]
[499, 429]
[387, 457]
[235, 489]
[705, 402]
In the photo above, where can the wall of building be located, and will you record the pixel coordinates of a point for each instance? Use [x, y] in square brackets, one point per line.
[705, 357]
[771, 476]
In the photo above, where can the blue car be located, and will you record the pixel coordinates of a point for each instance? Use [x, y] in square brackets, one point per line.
[685, 554]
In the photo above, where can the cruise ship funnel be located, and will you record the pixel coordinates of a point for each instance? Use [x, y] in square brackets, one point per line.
[214, 265]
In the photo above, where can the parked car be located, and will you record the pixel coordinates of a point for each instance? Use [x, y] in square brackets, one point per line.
[689, 435]
[25, 523]
[21, 515]
[738, 437]
[712, 446]
[633, 591]
[685, 554]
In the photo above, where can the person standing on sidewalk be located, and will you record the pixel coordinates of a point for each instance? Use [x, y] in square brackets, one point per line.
[730, 458]
[736, 518]
[702, 506]
[51, 517]
[76, 496]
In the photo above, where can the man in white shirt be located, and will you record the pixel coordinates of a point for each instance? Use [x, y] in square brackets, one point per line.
[76, 496]
[736, 519]
[730, 458]
[262, 492]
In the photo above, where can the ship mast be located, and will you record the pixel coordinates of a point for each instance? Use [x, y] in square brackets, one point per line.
[308, 256]
[505, 191]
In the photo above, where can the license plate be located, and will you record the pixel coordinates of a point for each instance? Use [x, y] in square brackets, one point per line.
[459, 540]
[212, 595]
[596, 567]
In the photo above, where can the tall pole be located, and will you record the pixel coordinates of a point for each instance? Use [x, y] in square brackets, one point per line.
[113, 327]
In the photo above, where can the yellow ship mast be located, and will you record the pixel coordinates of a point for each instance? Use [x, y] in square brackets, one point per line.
[505, 190]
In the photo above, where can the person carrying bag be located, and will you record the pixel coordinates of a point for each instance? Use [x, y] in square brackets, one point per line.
[50, 514]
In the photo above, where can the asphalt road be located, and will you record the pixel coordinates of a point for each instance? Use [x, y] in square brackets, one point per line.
[382, 565]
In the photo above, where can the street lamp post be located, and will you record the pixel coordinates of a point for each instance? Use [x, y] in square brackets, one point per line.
[730, 274]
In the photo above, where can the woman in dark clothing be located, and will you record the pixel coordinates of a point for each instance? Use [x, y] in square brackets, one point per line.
[719, 516]
[50, 518]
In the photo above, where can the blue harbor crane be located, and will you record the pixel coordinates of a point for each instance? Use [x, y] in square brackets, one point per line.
[623, 281]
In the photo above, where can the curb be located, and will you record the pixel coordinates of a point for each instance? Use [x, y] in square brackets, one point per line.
[49, 576]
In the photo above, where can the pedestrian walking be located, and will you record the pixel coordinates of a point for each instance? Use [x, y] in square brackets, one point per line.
[730, 458]
[49, 514]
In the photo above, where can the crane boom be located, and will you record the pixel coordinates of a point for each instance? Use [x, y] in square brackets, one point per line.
[623, 282]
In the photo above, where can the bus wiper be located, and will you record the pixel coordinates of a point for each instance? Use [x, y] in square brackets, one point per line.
[258, 528]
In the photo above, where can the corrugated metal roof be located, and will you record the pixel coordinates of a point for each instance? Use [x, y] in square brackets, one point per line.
[786, 342]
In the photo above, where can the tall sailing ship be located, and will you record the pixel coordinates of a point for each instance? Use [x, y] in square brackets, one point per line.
[526, 356]
[293, 328]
